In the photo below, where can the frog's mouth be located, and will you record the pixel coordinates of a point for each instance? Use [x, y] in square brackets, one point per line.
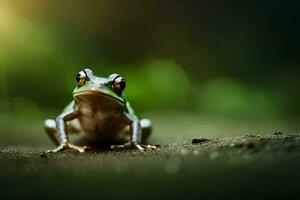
[98, 93]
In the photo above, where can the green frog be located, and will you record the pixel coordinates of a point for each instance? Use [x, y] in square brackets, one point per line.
[102, 112]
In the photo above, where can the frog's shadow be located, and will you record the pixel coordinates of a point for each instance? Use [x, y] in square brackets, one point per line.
[97, 145]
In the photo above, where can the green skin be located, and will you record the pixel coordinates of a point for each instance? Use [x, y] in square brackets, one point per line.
[101, 111]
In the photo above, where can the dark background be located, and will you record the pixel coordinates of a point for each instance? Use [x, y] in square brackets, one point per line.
[224, 60]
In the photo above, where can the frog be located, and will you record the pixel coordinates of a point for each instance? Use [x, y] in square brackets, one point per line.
[101, 112]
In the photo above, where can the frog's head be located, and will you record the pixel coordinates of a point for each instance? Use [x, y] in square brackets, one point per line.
[89, 84]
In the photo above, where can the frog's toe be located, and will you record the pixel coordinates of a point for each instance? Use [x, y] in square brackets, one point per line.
[77, 148]
[118, 146]
[151, 147]
[137, 146]
[128, 145]
[51, 151]
[65, 146]
[57, 149]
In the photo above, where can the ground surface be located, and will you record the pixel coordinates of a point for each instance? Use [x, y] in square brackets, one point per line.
[246, 167]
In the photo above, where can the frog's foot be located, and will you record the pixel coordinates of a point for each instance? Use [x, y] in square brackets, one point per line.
[130, 145]
[67, 145]
[147, 146]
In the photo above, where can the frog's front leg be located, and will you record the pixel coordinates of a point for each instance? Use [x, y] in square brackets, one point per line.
[135, 129]
[63, 134]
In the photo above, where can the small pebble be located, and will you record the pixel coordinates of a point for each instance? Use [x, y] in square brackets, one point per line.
[43, 155]
[200, 140]
[277, 133]
[250, 135]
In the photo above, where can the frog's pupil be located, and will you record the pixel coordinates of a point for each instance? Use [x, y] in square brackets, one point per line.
[78, 78]
[122, 84]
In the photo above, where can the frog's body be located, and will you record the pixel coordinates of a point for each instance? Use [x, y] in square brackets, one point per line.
[101, 111]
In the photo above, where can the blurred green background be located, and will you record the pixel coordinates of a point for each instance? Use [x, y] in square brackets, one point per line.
[196, 68]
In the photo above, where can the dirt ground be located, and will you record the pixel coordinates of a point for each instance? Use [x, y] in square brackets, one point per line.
[246, 167]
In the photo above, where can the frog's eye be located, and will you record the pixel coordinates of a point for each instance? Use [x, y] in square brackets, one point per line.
[81, 78]
[119, 84]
